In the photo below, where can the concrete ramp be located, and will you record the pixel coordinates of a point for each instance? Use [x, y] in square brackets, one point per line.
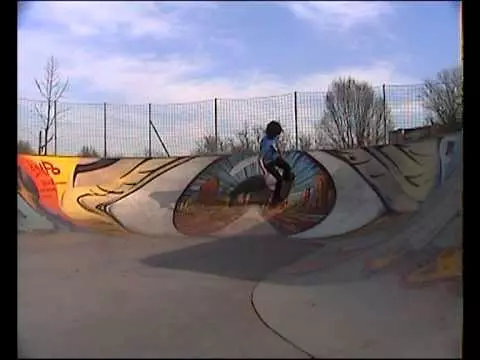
[30, 220]
[335, 192]
[399, 295]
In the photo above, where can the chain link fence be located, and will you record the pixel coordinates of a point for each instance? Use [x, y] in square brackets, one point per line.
[182, 129]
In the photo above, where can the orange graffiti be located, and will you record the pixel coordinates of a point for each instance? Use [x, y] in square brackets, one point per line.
[36, 181]
[447, 265]
[49, 168]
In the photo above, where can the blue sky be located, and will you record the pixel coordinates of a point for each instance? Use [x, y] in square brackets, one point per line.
[226, 48]
[140, 52]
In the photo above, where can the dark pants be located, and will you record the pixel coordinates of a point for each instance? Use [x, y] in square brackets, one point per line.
[271, 167]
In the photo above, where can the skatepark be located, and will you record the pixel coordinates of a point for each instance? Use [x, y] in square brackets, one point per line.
[143, 257]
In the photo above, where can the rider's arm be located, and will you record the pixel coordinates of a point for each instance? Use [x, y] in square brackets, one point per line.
[276, 150]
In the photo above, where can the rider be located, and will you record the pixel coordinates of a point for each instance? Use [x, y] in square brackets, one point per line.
[271, 158]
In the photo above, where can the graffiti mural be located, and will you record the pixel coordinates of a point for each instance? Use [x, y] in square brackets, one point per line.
[401, 175]
[335, 191]
[449, 150]
[226, 189]
[421, 267]
[98, 186]
[37, 188]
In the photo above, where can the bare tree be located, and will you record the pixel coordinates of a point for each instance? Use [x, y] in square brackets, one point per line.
[51, 88]
[247, 140]
[24, 147]
[153, 153]
[88, 151]
[306, 142]
[443, 98]
[354, 115]
[322, 139]
[208, 145]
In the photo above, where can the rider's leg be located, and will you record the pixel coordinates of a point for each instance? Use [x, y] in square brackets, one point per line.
[287, 171]
[270, 167]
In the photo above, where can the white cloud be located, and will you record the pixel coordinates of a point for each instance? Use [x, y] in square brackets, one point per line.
[143, 78]
[340, 15]
[106, 18]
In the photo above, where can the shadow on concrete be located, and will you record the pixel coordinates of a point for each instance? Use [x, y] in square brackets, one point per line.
[236, 257]
[255, 258]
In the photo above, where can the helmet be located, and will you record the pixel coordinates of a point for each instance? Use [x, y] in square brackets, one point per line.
[273, 129]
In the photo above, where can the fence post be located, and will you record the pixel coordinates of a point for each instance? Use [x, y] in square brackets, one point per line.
[40, 142]
[215, 119]
[149, 130]
[104, 129]
[55, 127]
[385, 129]
[295, 118]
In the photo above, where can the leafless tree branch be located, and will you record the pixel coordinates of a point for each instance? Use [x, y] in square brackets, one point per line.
[51, 88]
[443, 98]
[354, 115]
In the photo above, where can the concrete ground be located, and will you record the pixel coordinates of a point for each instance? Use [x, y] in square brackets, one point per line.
[343, 310]
[84, 295]
[390, 292]
[88, 295]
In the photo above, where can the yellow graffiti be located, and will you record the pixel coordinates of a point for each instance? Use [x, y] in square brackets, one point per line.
[448, 265]
[86, 196]
[66, 167]
[382, 262]
[92, 201]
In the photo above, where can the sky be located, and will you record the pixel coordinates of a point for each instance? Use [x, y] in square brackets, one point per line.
[182, 52]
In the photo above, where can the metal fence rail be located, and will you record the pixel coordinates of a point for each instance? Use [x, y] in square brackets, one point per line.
[178, 129]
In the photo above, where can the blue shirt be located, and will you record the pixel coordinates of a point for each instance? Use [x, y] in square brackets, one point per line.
[268, 149]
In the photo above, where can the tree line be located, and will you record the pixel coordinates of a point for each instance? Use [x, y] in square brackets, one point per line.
[354, 115]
